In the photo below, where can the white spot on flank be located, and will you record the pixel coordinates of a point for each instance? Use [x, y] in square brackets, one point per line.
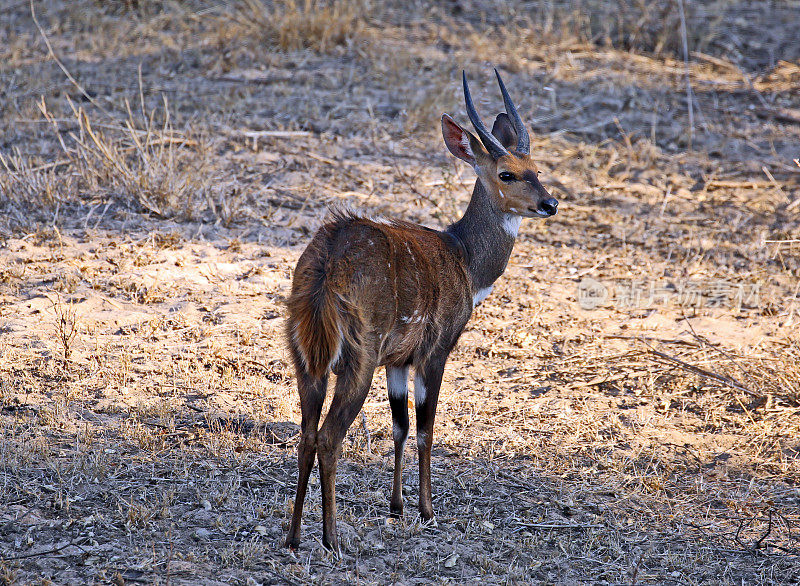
[379, 220]
[511, 224]
[397, 382]
[414, 318]
[481, 294]
[419, 390]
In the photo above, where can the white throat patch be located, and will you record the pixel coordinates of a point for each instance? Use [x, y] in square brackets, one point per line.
[481, 294]
[511, 224]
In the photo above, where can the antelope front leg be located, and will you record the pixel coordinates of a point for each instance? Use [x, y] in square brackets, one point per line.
[427, 381]
[397, 383]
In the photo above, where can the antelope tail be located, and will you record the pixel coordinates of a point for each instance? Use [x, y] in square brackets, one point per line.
[315, 326]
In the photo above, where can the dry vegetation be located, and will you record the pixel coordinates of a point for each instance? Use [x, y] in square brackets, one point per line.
[162, 165]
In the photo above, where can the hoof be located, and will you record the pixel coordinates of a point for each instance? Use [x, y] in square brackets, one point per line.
[293, 544]
[333, 548]
[395, 512]
[429, 520]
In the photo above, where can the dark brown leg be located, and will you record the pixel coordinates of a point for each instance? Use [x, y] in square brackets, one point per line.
[352, 387]
[312, 395]
[427, 382]
[397, 382]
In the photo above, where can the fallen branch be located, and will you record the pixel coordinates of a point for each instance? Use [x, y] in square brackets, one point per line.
[45, 552]
[599, 380]
[705, 373]
[275, 133]
[778, 114]
[722, 184]
[555, 526]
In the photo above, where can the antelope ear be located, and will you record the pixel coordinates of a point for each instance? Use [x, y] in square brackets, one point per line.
[503, 130]
[459, 141]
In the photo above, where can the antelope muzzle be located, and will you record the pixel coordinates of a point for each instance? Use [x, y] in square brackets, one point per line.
[548, 207]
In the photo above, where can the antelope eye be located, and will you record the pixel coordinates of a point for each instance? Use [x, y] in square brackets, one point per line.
[507, 177]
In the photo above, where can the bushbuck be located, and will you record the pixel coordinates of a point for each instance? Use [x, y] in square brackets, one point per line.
[373, 292]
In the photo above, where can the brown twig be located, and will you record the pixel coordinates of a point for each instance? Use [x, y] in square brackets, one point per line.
[45, 552]
[689, 94]
[63, 68]
[366, 432]
[704, 373]
[704, 341]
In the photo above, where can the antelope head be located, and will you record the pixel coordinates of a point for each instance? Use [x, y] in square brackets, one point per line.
[501, 158]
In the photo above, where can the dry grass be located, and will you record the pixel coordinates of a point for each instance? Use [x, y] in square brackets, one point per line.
[306, 24]
[139, 164]
[137, 161]
[148, 413]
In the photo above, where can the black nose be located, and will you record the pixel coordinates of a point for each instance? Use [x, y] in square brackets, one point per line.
[549, 206]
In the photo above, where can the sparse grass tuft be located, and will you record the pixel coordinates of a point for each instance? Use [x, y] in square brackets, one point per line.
[319, 25]
[141, 161]
[66, 325]
[30, 189]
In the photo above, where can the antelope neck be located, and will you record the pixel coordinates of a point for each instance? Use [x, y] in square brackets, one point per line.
[483, 230]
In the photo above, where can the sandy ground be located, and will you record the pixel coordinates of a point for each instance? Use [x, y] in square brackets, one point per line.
[623, 408]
